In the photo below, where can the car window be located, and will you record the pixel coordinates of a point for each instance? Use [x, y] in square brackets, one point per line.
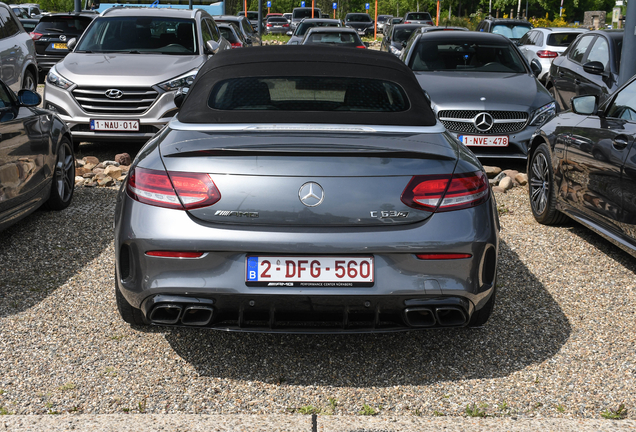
[599, 52]
[20, 13]
[358, 18]
[5, 99]
[246, 27]
[206, 34]
[578, 51]
[510, 31]
[228, 34]
[403, 34]
[10, 26]
[63, 24]
[308, 94]
[538, 39]
[455, 56]
[624, 105]
[214, 30]
[561, 39]
[526, 39]
[418, 16]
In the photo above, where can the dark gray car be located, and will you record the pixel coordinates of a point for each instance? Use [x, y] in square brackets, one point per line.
[306, 189]
[481, 89]
[360, 22]
[304, 25]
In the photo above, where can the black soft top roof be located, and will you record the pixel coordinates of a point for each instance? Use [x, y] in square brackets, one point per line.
[305, 61]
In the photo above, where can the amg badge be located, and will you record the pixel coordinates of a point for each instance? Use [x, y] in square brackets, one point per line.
[236, 213]
[389, 214]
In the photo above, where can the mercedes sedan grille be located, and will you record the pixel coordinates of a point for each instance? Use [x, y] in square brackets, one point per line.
[505, 122]
[130, 100]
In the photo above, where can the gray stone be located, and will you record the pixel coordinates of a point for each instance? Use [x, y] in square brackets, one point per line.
[506, 183]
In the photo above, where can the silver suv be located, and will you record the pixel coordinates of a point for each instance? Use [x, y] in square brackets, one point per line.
[119, 81]
[17, 53]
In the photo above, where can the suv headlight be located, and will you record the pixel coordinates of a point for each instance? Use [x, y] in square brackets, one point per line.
[543, 114]
[394, 50]
[54, 78]
[184, 80]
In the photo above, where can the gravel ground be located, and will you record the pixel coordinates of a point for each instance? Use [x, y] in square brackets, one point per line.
[560, 344]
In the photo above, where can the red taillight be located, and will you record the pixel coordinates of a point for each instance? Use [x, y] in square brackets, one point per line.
[285, 25]
[236, 44]
[442, 256]
[174, 254]
[441, 193]
[176, 190]
[547, 54]
[407, 22]
[35, 36]
[360, 46]
[269, 25]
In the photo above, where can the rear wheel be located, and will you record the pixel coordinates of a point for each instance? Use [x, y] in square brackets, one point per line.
[63, 177]
[29, 82]
[542, 188]
[130, 314]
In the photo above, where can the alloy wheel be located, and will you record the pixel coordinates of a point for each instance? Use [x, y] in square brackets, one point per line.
[64, 172]
[539, 183]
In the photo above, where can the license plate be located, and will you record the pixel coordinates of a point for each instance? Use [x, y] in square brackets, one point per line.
[115, 125]
[59, 46]
[361, 32]
[309, 271]
[484, 141]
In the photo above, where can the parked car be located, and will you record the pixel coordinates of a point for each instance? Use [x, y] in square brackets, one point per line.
[32, 10]
[590, 65]
[252, 16]
[19, 11]
[360, 22]
[28, 24]
[288, 17]
[389, 23]
[342, 37]
[244, 27]
[37, 165]
[300, 13]
[545, 44]
[418, 18]
[52, 33]
[17, 53]
[151, 53]
[513, 29]
[582, 165]
[382, 20]
[233, 35]
[395, 41]
[307, 23]
[357, 191]
[481, 89]
[276, 25]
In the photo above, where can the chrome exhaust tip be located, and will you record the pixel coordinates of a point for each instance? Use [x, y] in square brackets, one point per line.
[168, 314]
[197, 315]
[419, 317]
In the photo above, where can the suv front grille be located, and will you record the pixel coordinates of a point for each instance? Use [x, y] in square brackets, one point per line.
[460, 121]
[134, 100]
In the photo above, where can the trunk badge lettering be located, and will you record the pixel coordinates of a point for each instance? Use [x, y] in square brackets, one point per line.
[236, 213]
[384, 214]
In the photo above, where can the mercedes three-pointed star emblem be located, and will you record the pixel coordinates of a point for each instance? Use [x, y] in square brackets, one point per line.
[483, 122]
[311, 194]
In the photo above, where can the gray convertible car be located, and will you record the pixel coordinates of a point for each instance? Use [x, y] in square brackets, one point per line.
[306, 189]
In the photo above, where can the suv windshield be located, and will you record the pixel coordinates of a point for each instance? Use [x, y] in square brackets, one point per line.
[62, 24]
[418, 16]
[156, 35]
[306, 25]
[306, 13]
[453, 56]
[358, 18]
[511, 31]
[561, 39]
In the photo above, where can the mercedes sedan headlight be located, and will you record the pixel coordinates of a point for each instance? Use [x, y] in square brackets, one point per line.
[184, 80]
[394, 50]
[543, 114]
[54, 78]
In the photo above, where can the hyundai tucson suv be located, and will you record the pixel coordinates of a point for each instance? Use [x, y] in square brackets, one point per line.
[120, 79]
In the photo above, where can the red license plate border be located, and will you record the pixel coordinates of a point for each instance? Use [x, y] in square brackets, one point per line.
[460, 137]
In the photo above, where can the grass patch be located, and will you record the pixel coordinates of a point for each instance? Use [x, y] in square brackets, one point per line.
[368, 410]
[309, 409]
[4, 411]
[618, 414]
[438, 414]
[560, 408]
[68, 386]
[476, 411]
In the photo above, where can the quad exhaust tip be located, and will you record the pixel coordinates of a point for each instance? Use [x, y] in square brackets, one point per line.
[419, 317]
[166, 314]
[171, 314]
[450, 316]
[445, 316]
[197, 315]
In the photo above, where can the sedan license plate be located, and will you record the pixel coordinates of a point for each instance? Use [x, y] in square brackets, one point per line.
[309, 271]
[484, 141]
[115, 125]
[60, 46]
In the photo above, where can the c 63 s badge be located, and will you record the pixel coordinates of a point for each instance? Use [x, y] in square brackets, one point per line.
[387, 214]
[236, 213]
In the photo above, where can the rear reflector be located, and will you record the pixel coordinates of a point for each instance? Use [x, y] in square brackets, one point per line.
[35, 36]
[443, 256]
[547, 54]
[176, 190]
[439, 193]
[174, 254]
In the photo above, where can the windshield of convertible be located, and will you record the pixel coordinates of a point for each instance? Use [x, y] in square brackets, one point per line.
[439, 55]
[308, 94]
[140, 35]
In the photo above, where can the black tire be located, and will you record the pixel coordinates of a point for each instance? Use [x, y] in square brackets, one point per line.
[541, 188]
[481, 316]
[63, 181]
[29, 81]
[131, 315]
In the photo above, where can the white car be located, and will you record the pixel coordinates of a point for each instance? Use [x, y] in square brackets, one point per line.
[545, 44]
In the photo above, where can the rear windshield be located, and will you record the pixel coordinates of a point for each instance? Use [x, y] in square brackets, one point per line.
[306, 13]
[402, 34]
[228, 34]
[447, 56]
[333, 38]
[304, 26]
[561, 39]
[419, 16]
[511, 31]
[277, 20]
[139, 35]
[308, 94]
[63, 25]
[383, 18]
[358, 18]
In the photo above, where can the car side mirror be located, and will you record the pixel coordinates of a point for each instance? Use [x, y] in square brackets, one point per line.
[180, 95]
[585, 105]
[594, 68]
[71, 44]
[29, 98]
[212, 46]
[536, 67]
